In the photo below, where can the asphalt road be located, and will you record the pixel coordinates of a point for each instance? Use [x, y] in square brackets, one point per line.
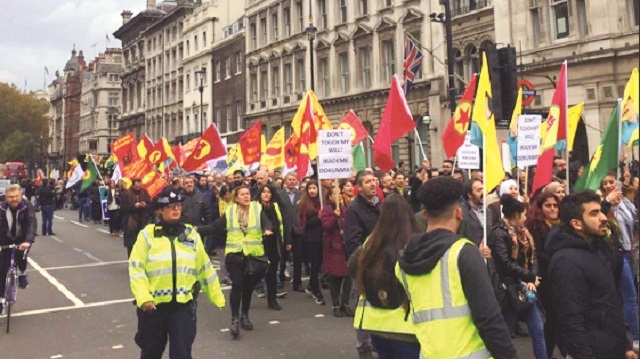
[78, 305]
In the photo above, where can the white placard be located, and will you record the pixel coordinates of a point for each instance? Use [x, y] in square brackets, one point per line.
[334, 166]
[468, 155]
[332, 142]
[528, 148]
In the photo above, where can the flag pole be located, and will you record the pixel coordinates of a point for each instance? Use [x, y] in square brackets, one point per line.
[486, 190]
[420, 142]
[620, 149]
[566, 123]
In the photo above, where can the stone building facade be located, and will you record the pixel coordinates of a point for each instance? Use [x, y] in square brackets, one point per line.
[56, 122]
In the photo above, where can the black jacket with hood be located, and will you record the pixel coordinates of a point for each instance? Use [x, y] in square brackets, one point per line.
[422, 254]
[584, 293]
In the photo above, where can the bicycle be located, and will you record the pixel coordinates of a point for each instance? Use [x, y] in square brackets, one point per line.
[11, 283]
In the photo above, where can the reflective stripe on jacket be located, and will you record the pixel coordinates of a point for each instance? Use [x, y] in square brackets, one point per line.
[249, 240]
[164, 269]
[440, 311]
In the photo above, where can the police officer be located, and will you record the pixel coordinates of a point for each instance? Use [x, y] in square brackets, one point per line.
[167, 267]
[448, 285]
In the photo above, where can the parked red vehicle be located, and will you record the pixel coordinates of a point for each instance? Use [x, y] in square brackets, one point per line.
[15, 170]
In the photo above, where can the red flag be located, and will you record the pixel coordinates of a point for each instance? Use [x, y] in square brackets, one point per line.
[145, 146]
[250, 144]
[307, 133]
[352, 123]
[453, 136]
[151, 180]
[556, 124]
[125, 149]
[291, 151]
[158, 154]
[397, 111]
[209, 146]
[178, 153]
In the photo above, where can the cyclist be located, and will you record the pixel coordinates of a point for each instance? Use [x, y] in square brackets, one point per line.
[17, 226]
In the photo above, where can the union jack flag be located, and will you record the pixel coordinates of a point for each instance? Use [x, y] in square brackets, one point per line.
[412, 61]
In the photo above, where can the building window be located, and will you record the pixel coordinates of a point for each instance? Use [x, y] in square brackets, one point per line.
[535, 23]
[114, 98]
[560, 18]
[582, 18]
[275, 81]
[365, 67]
[263, 86]
[254, 37]
[344, 72]
[188, 122]
[286, 16]
[324, 76]
[387, 3]
[218, 71]
[302, 87]
[263, 32]
[254, 88]
[195, 42]
[634, 12]
[239, 113]
[343, 11]
[322, 5]
[471, 62]
[204, 39]
[287, 80]
[228, 67]
[239, 62]
[187, 45]
[389, 60]
[301, 16]
[459, 70]
[274, 27]
[363, 7]
[187, 80]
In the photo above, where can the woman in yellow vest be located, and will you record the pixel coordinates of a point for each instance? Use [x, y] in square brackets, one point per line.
[382, 305]
[167, 267]
[245, 224]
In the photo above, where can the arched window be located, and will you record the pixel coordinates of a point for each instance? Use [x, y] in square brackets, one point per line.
[459, 71]
[471, 62]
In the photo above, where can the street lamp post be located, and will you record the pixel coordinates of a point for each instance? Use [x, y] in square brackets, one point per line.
[201, 73]
[311, 35]
[446, 20]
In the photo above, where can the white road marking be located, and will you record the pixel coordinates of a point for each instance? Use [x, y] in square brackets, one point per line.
[103, 231]
[56, 239]
[224, 329]
[56, 356]
[79, 224]
[274, 322]
[77, 249]
[119, 346]
[319, 315]
[60, 309]
[91, 256]
[55, 283]
[87, 265]
[57, 217]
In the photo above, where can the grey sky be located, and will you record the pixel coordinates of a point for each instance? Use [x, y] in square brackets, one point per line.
[39, 33]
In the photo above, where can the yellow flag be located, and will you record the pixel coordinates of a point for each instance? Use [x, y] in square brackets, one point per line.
[483, 118]
[320, 121]
[630, 110]
[234, 159]
[273, 156]
[574, 114]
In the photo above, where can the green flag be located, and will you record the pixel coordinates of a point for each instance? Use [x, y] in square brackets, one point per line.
[90, 174]
[357, 154]
[604, 159]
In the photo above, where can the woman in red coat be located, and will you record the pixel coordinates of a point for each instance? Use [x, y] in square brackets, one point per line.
[334, 255]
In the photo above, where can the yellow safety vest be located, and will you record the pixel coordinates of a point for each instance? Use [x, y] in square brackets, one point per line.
[370, 318]
[248, 242]
[440, 311]
[155, 260]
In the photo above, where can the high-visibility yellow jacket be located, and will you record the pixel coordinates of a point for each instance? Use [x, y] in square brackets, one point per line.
[440, 311]
[249, 240]
[279, 216]
[163, 269]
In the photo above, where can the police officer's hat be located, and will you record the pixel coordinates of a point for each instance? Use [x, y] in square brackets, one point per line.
[168, 196]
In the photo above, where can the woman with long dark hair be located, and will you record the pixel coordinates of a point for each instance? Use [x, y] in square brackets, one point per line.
[334, 254]
[542, 216]
[514, 253]
[347, 191]
[308, 209]
[381, 295]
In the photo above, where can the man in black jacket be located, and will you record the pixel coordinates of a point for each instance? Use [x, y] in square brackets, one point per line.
[288, 198]
[47, 199]
[195, 210]
[581, 276]
[441, 201]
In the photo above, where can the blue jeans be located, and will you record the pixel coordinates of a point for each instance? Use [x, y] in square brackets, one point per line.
[629, 297]
[394, 349]
[536, 331]
[84, 210]
[47, 218]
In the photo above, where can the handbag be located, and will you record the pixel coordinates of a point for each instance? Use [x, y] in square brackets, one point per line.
[256, 266]
[517, 299]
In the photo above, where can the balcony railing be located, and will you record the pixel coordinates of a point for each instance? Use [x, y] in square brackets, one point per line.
[473, 5]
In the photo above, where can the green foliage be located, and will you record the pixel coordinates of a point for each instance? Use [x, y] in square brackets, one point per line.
[23, 122]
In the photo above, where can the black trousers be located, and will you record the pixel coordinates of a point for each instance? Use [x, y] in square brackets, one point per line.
[242, 285]
[175, 321]
[313, 254]
[115, 221]
[297, 250]
[340, 289]
[272, 248]
[5, 260]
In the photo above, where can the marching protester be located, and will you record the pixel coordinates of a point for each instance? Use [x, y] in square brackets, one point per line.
[289, 198]
[113, 205]
[94, 201]
[195, 210]
[308, 209]
[346, 191]
[444, 273]
[47, 200]
[133, 206]
[514, 253]
[166, 298]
